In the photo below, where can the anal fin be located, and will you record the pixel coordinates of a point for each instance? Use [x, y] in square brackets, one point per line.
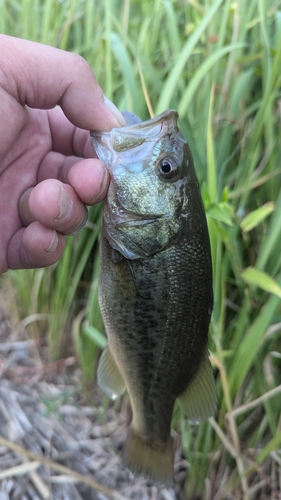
[199, 399]
[110, 379]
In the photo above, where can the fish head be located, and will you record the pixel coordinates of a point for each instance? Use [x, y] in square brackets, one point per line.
[151, 170]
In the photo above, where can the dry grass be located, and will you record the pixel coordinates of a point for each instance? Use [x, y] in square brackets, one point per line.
[53, 445]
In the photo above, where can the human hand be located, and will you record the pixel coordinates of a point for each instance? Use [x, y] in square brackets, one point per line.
[48, 169]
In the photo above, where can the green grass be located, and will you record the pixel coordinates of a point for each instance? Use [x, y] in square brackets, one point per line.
[218, 63]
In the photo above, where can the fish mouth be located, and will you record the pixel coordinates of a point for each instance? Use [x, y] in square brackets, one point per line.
[137, 220]
[130, 136]
[169, 116]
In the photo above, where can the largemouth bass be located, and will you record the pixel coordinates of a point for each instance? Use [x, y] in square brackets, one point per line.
[155, 287]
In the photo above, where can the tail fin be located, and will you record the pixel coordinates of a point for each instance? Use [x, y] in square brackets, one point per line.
[155, 462]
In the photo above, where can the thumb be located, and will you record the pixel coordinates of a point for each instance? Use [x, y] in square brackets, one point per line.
[42, 77]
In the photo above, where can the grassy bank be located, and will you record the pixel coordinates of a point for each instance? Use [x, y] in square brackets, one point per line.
[218, 63]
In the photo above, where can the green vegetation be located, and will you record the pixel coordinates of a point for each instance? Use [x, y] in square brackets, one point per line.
[218, 63]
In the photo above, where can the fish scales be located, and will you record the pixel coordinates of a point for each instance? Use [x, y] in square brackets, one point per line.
[155, 288]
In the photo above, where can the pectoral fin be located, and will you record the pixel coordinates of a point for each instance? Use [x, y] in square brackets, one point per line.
[110, 379]
[199, 399]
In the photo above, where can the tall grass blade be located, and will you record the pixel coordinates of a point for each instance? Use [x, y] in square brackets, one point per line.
[246, 353]
[175, 75]
[200, 74]
[261, 279]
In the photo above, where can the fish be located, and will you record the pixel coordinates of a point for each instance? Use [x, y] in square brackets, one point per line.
[155, 287]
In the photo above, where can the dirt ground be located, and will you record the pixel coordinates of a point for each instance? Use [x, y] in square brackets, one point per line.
[53, 443]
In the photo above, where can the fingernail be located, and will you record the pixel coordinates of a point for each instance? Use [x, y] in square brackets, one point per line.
[115, 112]
[65, 204]
[82, 224]
[54, 243]
[103, 185]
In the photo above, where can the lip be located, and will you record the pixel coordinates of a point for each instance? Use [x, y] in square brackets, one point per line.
[130, 219]
[169, 115]
[120, 140]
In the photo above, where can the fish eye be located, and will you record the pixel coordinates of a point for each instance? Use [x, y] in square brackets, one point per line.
[168, 167]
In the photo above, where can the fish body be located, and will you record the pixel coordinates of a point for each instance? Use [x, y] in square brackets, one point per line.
[155, 287]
